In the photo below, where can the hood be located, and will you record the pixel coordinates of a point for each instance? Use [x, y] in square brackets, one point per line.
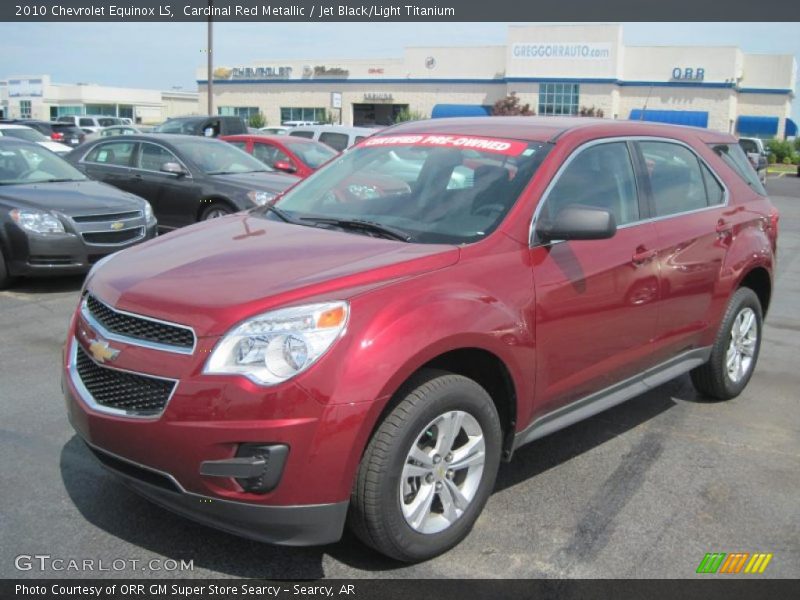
[56, 147]
[73, 198]
[214, 274]
[260, 180]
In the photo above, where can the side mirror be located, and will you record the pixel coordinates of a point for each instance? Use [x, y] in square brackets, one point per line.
[172, 168]
[285, 166]
[578, 223]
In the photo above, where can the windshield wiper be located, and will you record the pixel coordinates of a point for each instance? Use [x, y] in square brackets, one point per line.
[56, 180]
[362, 225]
[282, 214]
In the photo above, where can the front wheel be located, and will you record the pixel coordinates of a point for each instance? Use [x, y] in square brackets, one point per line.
[428, 469]
[216, 210]
[735, 351]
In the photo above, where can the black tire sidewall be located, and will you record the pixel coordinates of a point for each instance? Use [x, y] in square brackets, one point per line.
[216, 206]
[458, 395]
[744, 298]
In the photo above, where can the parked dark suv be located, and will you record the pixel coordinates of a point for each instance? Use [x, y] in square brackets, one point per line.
[364, 353]
[205, 126]
[58, 132]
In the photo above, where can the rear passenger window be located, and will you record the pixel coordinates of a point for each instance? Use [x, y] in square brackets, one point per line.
[86, 122]
[600, 176]
[337, 141]
[714, 189]
[676, 180]
[113, 153]
[737, 160]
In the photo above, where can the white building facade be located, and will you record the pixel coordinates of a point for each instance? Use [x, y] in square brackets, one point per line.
[557, 69]
[37, 97]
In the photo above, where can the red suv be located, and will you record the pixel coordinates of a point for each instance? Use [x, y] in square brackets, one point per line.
[371, 358]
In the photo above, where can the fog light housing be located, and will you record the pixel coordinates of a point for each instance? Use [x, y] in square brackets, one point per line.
[257, 467]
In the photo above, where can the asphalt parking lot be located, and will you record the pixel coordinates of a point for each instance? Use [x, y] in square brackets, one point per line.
[643, 490]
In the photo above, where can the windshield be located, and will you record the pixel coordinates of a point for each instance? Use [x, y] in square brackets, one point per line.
[22, 163]
[109, 121]
[437, 189]
[29, 135]
[313, 154]
[218, 158]
[184, 126]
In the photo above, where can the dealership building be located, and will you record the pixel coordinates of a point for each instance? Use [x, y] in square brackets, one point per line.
[557, 69]
[37, 97]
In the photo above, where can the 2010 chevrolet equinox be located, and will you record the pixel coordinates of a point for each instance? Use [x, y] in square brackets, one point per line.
[369, 346]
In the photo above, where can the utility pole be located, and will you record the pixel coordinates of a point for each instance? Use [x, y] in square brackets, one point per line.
[210, 74]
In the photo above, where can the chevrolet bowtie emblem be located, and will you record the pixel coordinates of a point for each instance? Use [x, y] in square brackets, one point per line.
[102, 352]
[117, 225]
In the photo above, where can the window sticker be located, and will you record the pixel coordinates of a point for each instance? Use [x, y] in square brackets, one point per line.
[483, 144]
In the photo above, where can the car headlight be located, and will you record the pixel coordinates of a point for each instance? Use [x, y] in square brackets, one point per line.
[148, 212]
[37, 221]
[260, 198]
[275, 346]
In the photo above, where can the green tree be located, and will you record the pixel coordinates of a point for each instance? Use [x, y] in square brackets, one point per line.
[257, 121]
[408, 115]
[782, 149]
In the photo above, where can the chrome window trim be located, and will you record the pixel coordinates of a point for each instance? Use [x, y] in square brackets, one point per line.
[98, 327]
[624, 139]
[89, 400]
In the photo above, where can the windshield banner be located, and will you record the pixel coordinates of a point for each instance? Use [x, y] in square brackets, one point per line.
[498, 146]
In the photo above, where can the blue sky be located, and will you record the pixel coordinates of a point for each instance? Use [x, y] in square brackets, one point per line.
[163, 55]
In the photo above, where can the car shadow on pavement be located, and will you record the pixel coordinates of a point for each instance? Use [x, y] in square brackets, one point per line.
[43, 285]
[109, 505]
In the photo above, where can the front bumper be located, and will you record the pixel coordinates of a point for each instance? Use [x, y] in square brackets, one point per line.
[285, 525]
[34, 255]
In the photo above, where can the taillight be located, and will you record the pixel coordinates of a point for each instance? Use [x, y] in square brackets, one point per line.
[56, 136]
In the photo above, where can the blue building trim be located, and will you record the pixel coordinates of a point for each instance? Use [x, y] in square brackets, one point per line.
[502, 80]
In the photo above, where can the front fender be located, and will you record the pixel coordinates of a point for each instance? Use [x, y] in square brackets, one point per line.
[395, 333]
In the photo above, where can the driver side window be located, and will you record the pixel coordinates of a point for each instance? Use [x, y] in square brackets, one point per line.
[152, 157]
[600, 176]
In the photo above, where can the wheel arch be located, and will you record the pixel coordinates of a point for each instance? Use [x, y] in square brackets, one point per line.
[207, 201]
[758, 279]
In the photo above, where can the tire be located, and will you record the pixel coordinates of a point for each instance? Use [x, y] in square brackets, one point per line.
[433, 404]
[216, 209]
[5, 279]
[714, 379]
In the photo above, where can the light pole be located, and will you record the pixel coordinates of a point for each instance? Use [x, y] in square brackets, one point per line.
[210, 67]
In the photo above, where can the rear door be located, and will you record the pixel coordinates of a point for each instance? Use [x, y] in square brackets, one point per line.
[110, 162]
[688, 204]
[596, 300]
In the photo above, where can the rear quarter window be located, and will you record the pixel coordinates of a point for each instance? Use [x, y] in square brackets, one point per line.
[337, 141]
[736, 159]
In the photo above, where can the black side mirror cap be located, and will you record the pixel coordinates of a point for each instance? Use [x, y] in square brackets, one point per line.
[578, 223]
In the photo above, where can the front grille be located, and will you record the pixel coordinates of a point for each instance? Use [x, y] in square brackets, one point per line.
[135, 214]
[139, 328]
[135, 394]
[113, 237]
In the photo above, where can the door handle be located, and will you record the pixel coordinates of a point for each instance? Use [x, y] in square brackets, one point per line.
[642, 256]
[723, 226]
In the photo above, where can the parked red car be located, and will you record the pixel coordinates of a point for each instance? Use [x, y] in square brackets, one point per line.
[298, 156]
[278, 373]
